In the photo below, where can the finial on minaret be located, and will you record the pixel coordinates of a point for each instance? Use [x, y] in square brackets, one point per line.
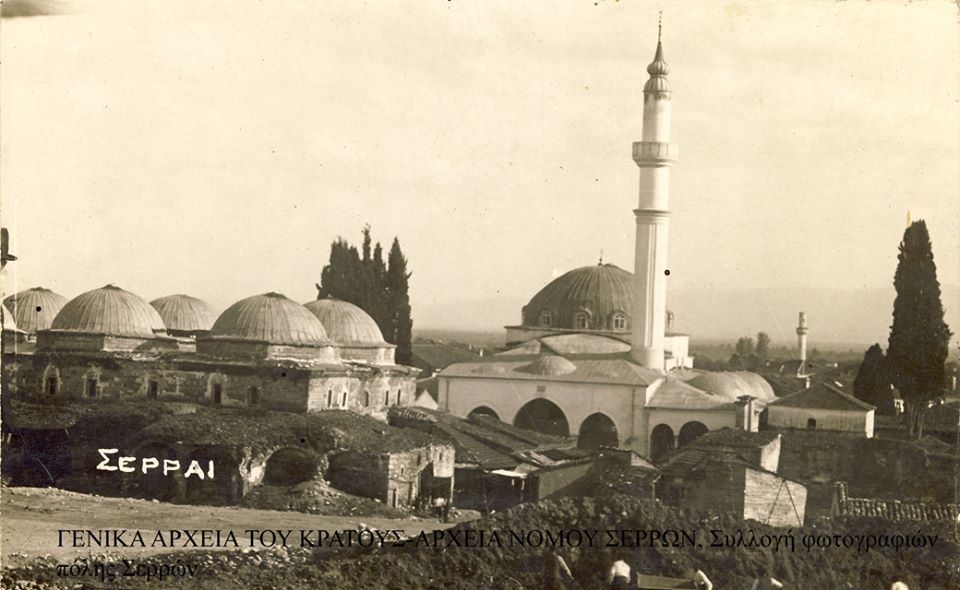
[601, 257]
[659, 27]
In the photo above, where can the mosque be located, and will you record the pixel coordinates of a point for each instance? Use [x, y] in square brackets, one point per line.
[265, 351]
[594, 355]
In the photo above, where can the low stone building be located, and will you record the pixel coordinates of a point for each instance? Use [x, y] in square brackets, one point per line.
[723, 482]
[825, 407]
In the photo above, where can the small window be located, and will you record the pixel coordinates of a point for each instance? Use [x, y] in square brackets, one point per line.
[811, 423]
[343, 399]
[217, 393]
[546, 319]
[619, 321]
[366, 399]
[541, 388]
[581, 321]
[329, 398]
[398, 397]
[386, 397]
[253, 396]
[92, 387]
[52, 386]
[153, 389]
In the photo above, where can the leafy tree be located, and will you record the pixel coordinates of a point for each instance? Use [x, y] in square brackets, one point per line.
[744, 357]
[398, 302]
[362, 278]
[872, 383]
[919, 337]
[763, 346]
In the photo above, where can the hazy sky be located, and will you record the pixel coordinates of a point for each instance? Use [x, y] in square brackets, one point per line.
[217, 148]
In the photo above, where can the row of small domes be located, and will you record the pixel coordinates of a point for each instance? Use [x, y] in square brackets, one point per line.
[266, 318]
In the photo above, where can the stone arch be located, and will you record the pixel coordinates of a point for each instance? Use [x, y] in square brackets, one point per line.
[91, 380]
[598, 430]
[226, 487]
[154, 484]
[51, 384]
[483, 411]
[289, 466]
[543, 416]
[661, 441]
[690, 431]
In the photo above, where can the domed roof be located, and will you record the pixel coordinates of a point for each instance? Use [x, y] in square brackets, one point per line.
[732, 385]
[34, 309]
[270, 318]
[549, 364]
[185, 313]
[600, 290]
[9, 324]
[109, 310]
[345, 323]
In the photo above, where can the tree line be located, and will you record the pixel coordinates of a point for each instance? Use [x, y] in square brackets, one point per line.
[378, 287]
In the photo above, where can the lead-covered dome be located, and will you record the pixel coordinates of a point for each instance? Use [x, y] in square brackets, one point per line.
[733, 384]
[35, 309]
[271, 318]
[182, 313]
[595, 297]
[109, 311]
[345, 323]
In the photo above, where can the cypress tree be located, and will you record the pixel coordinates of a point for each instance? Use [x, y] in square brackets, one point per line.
[872, 383]
[919, 337]
[397, 288]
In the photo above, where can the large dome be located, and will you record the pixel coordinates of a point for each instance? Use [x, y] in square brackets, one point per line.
[109, 310]
[345, 323]
[184, 313]
[270, 318]
[34, 309]
[733, 384]
[597, 297]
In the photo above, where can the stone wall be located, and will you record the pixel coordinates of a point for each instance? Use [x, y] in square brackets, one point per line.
[773, 500]
[392, 478]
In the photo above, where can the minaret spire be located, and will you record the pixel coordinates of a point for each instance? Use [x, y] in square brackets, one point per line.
[654, 154]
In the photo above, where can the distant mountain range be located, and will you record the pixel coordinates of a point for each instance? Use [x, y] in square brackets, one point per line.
[833, 315]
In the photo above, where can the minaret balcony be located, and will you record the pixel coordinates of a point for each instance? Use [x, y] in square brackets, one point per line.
[654, 153]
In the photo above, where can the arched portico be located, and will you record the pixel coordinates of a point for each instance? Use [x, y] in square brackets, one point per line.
[690, 431]
[661, 441]
[543, 416]
[597, 430]
[483, 411]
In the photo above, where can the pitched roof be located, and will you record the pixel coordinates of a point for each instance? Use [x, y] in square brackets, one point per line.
[615, 371]
[439, 355]
[734, 437]
[823, 396]
[942, 418]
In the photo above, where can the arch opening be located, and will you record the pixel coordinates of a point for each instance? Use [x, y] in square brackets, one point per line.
[598, 430]
[224, 487]
[154, 484]
[661, 441]
[543, 416]
[690, 431]
[289, 466]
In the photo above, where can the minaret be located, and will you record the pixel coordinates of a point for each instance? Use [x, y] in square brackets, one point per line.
[802, 339]
[654, 155]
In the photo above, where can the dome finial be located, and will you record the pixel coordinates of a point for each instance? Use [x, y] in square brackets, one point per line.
[659, 67]
[601, 257]
[659, 27]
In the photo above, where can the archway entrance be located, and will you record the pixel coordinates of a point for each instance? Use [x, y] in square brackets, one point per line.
[690, 431]
[543, 416]
[597, 430]
[661, 441]
[154, 484]
[288, 467]
[224, 487]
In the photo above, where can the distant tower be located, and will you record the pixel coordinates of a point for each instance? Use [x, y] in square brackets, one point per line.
[802, 339]
[654, 155]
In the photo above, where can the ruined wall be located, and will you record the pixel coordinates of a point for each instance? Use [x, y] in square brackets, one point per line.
[773, 500]
[393, 478]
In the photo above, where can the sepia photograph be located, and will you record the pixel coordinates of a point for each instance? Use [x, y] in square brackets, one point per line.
[595, 294]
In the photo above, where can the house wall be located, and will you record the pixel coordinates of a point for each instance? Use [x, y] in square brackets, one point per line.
[564, 480]
[847, 421]
[392, 478]
[773, 500]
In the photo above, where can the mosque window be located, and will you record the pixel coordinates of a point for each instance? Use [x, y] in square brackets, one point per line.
[217, 393]
[398, 397]
[153, 388]
[253, 396]
[366, 398]
[581, 321]
[619, 321]
[329, 398]
[386, 397]
[343, 399]
[52, 385]
[546, 319]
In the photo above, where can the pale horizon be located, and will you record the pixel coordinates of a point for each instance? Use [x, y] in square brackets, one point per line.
[217, 150]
